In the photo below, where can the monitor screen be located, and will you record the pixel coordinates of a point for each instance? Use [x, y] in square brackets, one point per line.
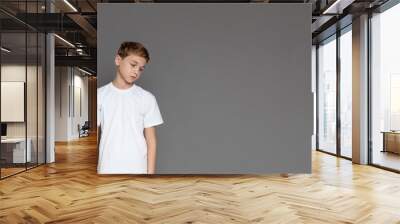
[3, 129]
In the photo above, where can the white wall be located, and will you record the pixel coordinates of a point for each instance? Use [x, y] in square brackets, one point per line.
[15, 72]
[79, 117]
[61, 103]
[71, 93]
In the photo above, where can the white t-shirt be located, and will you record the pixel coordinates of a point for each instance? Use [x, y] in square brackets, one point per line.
[122, 115]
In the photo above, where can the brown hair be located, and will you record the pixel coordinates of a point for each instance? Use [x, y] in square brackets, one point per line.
[129, 47]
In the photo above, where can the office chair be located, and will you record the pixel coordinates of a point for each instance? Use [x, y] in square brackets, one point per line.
[84, 130]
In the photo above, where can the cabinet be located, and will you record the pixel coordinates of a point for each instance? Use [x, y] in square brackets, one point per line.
[391, 141]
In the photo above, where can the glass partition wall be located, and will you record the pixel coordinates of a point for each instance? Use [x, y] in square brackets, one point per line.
[22, 77]
[385, 89]
[334, 82]
[345, 62]
[327, 95]
[334, 93]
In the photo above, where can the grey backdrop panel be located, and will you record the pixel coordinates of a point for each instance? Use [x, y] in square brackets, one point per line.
[233, 82]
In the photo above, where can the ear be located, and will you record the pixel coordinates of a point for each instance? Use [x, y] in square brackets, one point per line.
[117, 60]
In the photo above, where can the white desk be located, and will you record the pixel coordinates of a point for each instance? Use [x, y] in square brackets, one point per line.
[18, 145]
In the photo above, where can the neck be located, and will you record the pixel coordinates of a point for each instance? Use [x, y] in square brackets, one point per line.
[121, 84]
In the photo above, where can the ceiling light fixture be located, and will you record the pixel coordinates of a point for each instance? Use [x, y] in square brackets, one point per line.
[70, 5]
[84, 71]
[329, 9]
[64, 40]
[5, 49]
[337, 7]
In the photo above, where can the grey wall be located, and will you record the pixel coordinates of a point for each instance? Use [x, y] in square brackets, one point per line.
[233, 82]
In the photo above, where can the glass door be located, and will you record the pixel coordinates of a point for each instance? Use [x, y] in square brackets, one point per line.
[346, 92]
[327, 95]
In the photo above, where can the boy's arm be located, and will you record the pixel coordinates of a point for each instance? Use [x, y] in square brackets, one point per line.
[150, 135]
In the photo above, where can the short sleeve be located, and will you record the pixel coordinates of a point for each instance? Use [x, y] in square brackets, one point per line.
[153, 116]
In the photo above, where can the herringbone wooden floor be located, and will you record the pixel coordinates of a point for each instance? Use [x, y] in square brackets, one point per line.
[70, 191]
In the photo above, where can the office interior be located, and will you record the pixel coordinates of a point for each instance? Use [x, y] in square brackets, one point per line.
[40, 87]
[48, 80]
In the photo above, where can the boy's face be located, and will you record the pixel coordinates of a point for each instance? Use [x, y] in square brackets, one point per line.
[130, 67]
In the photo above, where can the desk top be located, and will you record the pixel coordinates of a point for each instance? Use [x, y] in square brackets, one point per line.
[391, 132]
[14, 140]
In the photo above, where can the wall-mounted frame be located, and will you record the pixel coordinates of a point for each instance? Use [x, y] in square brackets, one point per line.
[12, 101]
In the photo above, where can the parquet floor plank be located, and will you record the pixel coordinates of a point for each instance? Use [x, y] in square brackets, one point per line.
[70, 191]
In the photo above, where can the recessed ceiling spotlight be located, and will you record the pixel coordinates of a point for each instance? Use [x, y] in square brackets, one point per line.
[5, 50]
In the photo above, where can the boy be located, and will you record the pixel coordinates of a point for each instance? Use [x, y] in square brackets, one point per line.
[127, 115]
